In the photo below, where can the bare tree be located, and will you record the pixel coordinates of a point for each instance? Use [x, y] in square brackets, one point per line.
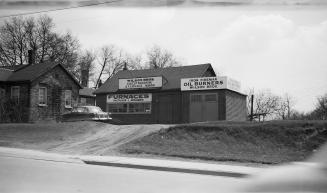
[160, 58]
[18, 35]
[265, 104]
[320, 111]
[285, 107]
[135, 62]
[111, 60]
[13, 42]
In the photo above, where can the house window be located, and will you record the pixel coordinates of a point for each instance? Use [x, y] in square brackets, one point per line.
[15, 93]
[42, 96]
[130, 108]
[68, 98]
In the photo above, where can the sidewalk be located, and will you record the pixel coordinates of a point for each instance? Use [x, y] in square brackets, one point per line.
[138, 163]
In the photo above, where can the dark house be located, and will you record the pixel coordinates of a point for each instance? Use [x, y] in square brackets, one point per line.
[86, 96]
[171, 95]
[36, 92]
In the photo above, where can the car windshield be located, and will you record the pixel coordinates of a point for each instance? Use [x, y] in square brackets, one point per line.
[94, 109]
[79, 110]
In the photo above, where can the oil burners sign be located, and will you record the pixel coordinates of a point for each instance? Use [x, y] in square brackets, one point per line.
[208, 83]
[141, 83]
[129, 98]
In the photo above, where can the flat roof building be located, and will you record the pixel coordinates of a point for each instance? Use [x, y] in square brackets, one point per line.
[172, 95]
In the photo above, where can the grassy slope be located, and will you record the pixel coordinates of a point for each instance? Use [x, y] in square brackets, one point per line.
[269, 142]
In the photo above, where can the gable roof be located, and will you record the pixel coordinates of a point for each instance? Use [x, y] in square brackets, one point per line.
[173, 75]
[5, 74]
[87, 92]
[32, 72]
[14, 67]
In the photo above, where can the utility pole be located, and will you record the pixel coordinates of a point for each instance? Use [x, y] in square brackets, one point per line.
[251, 115]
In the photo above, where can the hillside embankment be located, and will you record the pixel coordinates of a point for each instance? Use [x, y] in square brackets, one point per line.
[259, 143]
[267, 143]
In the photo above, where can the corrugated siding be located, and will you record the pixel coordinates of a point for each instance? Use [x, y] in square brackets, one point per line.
[235, 106]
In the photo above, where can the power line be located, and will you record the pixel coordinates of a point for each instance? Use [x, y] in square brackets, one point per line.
[59, 9]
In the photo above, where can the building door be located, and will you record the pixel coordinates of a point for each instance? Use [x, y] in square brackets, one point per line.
[165, 110]
[203, 107]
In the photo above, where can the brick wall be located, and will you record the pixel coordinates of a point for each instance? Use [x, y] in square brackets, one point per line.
[14, 111]
[56, 81]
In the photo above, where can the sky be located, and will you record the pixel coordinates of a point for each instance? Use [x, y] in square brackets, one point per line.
[278, 47]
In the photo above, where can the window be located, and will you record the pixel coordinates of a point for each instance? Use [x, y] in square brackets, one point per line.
[79, 110]
[68, 98]
[15, 93]
[131, 108]
[42, 96]
[83, 101]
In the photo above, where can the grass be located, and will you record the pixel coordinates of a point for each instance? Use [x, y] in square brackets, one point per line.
[268, 143]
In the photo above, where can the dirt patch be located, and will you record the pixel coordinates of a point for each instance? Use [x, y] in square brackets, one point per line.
[82, 138]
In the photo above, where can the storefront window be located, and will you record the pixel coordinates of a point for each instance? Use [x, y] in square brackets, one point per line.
[83, 101]
[129, 108]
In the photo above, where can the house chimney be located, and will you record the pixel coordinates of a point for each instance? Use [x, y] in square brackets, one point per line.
[100, 84]
[125, 66]
[31, 57]
[84, 78]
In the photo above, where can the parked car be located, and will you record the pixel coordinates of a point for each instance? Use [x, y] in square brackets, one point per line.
[87, 113]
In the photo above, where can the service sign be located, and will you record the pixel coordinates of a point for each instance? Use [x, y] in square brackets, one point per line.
[209, 83]
[129, 98]
[141, 83]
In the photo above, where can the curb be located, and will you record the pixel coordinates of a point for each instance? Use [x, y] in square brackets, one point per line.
[169, 169]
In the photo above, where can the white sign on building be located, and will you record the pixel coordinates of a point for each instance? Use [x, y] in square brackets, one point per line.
[209, 83]
[129, 98]
[141, 83]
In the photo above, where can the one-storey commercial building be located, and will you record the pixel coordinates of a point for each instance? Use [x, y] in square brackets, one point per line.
[172, 95]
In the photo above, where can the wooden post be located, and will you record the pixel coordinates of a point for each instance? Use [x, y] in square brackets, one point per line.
[251, 115]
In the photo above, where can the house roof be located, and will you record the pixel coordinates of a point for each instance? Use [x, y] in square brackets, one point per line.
[13, 67]
[172, 75]
[5, 74]
[31, 72]
[87, 92]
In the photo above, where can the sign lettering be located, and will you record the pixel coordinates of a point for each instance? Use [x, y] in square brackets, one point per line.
[129, 98]
[208, 83]
[141, 83]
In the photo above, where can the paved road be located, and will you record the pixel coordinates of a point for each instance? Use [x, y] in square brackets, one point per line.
[30, 175]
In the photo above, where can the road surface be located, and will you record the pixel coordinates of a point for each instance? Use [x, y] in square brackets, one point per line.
[20, 174]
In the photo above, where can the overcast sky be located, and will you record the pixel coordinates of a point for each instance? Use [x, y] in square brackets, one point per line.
[282, 48]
